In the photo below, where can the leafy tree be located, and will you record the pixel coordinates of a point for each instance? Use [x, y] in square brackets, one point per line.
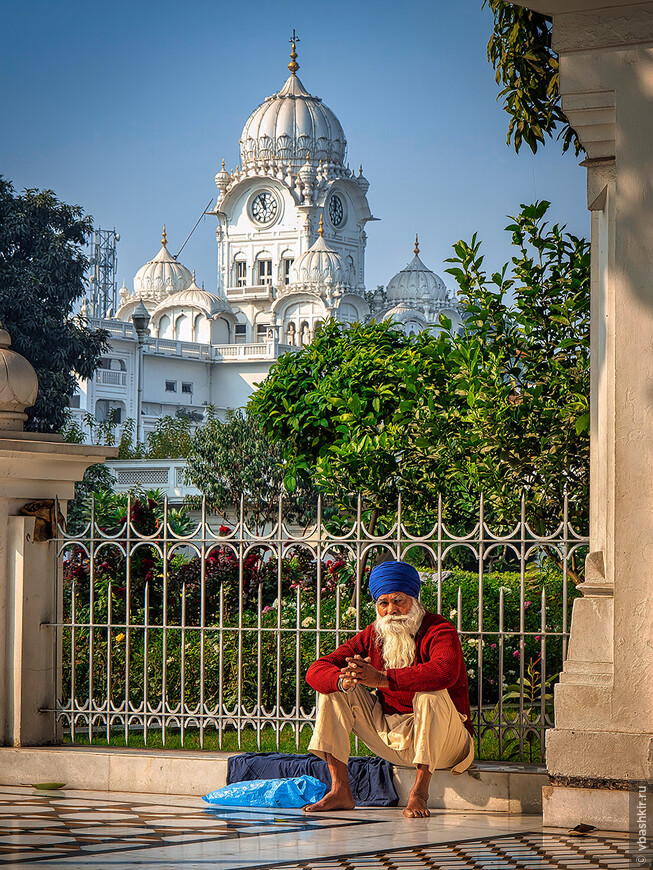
[314, 402]
[498, 409]
[234, 458]
[527, 69]
[97, 480]
[41, 277]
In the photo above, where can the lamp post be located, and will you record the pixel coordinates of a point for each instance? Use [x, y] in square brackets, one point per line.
[141, 320]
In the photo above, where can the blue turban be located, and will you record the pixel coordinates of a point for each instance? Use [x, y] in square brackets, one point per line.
[394, 577]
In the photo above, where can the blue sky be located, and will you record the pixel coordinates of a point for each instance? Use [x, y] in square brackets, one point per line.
[128, 108]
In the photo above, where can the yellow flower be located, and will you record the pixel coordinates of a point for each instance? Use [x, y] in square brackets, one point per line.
[120, 637]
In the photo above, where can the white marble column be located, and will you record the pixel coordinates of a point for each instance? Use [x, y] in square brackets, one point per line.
[602, 743]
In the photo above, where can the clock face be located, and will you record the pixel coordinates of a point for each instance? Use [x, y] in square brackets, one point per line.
[336, 211]
[264, 207]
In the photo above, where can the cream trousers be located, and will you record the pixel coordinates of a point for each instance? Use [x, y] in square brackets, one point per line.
[432, 734]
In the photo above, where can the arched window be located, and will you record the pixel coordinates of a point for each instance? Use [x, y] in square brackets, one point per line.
[240, 271]
[181, 328]
[164, 326]
[304, 333]
[264, 269]
[197, 327]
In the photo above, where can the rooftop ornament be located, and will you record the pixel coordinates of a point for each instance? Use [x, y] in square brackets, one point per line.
[293, 66]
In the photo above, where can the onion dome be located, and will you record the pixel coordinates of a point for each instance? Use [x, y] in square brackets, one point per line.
[362, 182]
[291, 124]
[222, 179]
[19, 385]
[320, 265]
[416, 283]
[406, 314]
[197, 298]
[162, 275]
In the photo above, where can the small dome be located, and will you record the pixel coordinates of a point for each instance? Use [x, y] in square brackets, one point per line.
[162, 275]
[194, 297]
[362, 182]
[416, 283]
[19, 385]
[222, 179]
[320, 265]
[291, 124]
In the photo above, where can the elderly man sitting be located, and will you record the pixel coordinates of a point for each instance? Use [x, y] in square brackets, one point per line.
[418, 715]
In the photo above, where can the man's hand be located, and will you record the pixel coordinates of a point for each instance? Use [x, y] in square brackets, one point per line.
[359, 670]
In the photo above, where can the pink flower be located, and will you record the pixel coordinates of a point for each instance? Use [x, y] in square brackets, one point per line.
[266, 608]
[527, 604]
[517, 653]
[493, 645]
[537, 637]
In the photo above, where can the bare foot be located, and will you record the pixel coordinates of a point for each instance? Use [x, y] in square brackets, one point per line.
[340, 799]
[416, 808]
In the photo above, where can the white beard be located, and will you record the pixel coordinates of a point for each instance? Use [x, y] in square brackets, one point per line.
[395, 635]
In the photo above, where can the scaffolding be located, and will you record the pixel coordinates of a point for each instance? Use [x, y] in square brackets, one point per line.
[102, 280]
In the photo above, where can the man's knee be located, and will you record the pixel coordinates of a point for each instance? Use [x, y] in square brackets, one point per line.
[430, 699]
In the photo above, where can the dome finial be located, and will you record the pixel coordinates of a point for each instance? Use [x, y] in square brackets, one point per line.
[321, 228]
[194, 276]
[293, 66]
[223, 164]
[416, 245]
[164, 238]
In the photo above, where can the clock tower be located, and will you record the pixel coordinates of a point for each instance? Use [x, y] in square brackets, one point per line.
[291, 195]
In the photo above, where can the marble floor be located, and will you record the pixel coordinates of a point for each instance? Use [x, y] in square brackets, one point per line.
[67, 829]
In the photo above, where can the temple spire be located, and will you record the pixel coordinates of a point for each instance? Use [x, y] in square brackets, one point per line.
[416, 245]
[293, 66]
[321, 228]
[164, 238]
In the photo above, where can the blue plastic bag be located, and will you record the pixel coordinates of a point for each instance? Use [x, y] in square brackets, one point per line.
[287, 793]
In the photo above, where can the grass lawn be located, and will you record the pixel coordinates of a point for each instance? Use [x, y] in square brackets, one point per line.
[268, 742]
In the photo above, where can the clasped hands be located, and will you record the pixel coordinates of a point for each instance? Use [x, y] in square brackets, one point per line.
[359, 670]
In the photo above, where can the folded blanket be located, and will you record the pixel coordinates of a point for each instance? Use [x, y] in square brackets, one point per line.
[370, 778]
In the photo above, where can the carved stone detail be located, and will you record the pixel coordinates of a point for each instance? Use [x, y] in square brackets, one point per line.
[584, 31]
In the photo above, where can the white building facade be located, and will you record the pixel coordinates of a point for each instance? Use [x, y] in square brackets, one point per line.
[291, 235]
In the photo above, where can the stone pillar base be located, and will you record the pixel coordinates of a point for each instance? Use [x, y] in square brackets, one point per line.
[604, 755]
[608, 809]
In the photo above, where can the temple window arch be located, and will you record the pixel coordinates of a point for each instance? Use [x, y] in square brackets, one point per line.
[285, 265]
[239, 273]
[264, 268]
[182, 328]
[164, 326]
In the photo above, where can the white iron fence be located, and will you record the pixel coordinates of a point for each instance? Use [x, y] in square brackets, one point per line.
[172, 628]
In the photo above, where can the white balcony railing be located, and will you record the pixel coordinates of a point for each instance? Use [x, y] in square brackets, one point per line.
[168, 475]
[111, 379]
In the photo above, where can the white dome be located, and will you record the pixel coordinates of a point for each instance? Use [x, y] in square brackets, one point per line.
[416, 283]
[290, 125]
[320, 265]
[162, 275]
[194, 297]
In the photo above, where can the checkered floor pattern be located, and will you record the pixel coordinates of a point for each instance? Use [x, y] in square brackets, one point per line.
[38, 829]
[537, 851]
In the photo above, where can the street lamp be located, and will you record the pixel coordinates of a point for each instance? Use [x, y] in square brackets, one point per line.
[141, 320]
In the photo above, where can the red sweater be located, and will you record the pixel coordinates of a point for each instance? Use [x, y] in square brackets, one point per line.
[438, 665]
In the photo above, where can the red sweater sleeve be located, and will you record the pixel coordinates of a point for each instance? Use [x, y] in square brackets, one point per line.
[440, 671]
[323, 674]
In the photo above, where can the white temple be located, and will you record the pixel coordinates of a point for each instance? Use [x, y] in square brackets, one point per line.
[291, 253]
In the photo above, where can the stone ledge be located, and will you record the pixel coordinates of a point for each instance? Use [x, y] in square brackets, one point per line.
[607, 809]
[487, 787]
